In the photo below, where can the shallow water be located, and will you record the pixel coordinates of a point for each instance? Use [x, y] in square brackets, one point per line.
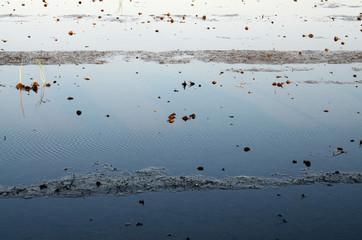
[278, 124]
[275, 24]
[323, 213]
[315, 119]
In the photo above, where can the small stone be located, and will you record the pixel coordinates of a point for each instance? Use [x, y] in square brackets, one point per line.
[246, 149]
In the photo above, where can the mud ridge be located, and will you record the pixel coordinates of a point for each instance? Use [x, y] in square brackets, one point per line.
[182, 57]
[157, 180]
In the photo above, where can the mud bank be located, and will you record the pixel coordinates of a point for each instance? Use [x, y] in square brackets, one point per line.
[157, 180]
[182, 57]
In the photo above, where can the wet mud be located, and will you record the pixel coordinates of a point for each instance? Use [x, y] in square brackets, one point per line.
[183, 57]
[157, 180]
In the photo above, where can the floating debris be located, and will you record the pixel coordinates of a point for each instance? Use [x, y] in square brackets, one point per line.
[79, 112]
[185, 118]
[184, 84]
[338, 151]
[20, 86]
[171, 117]
[307, 163]
[35, 86]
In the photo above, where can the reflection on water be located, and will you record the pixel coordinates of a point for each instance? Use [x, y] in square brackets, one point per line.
[285, 117]
[160, 25]
[126, 109]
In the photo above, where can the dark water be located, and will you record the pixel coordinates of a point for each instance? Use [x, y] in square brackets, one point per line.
[324, 213]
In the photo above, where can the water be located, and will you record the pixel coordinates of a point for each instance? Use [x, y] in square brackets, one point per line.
[271, 25]
[278, 124]
[324, 212]
[43, 138]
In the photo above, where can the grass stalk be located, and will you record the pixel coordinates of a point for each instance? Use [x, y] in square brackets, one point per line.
[20, 85]
[42, 76]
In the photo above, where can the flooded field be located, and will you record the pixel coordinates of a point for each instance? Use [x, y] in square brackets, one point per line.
[182, 120]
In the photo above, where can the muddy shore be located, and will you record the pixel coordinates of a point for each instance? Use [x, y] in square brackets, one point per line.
[182, 57]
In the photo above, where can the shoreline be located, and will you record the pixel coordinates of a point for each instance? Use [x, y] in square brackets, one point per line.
[271, 57]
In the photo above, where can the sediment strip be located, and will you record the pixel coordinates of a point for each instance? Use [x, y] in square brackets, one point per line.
[182, 57]
[157, 180]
